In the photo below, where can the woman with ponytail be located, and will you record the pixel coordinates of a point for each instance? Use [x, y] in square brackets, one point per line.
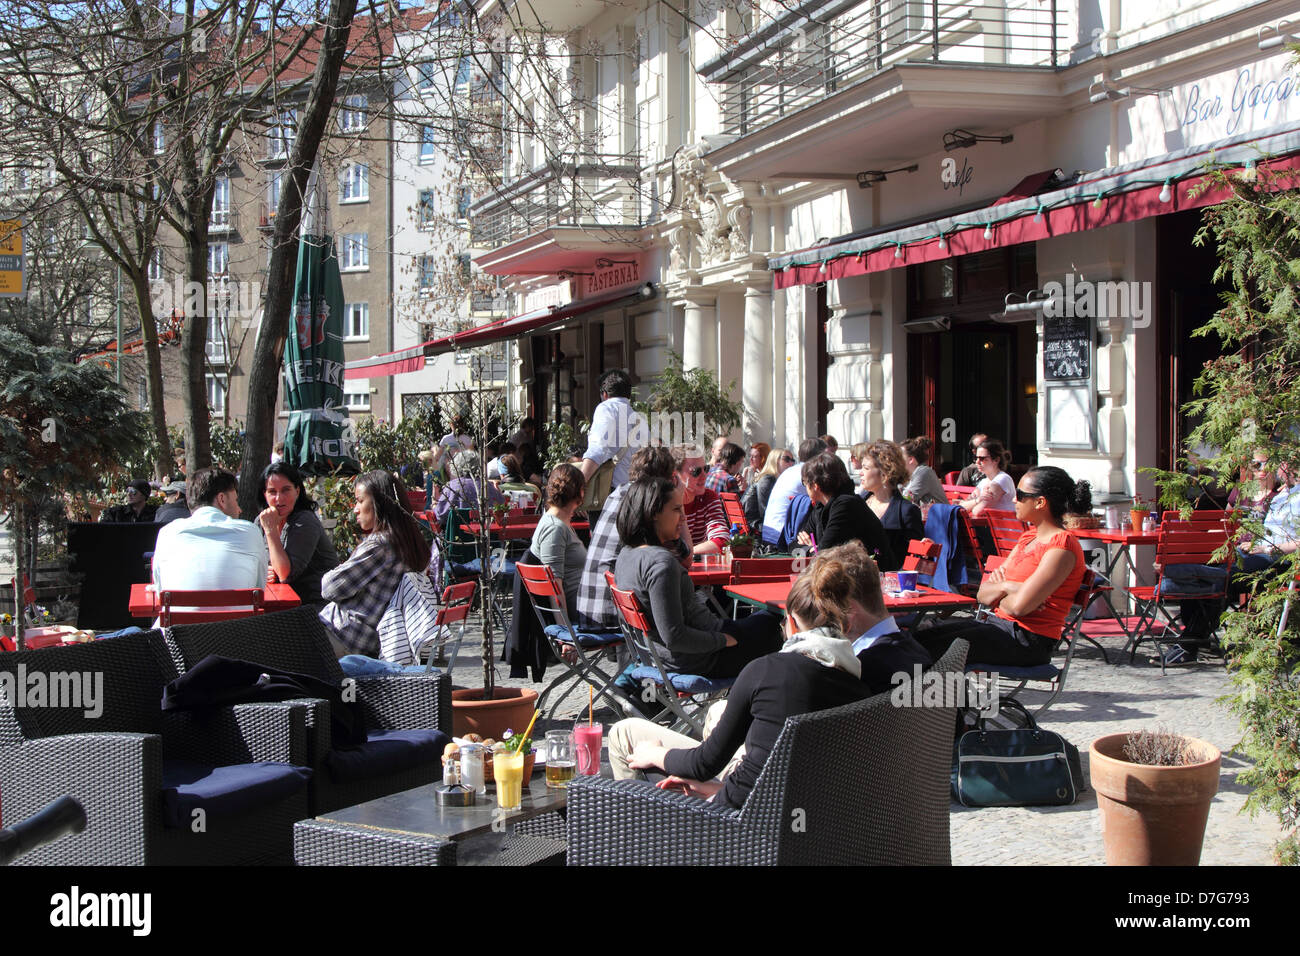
[359, 590]
[1032, 590]
[815, 670]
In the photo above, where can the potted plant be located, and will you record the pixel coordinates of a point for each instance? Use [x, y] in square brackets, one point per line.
[742, 545]
[1141, 508]
[489, 710]
[1154, 790]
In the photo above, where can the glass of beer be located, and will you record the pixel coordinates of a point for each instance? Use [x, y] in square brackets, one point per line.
[508, 769]
[561, 763]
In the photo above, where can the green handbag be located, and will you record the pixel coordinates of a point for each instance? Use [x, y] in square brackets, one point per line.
[1025, 767]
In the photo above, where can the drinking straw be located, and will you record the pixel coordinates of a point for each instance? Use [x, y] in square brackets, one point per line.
[589, 703]
[528, 731]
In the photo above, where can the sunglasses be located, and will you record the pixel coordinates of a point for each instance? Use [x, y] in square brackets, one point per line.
[1026, 495]
[696, 472]
[983, 457]
[788, 459]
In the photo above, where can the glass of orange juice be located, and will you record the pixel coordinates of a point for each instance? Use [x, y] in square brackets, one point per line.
[508, 770]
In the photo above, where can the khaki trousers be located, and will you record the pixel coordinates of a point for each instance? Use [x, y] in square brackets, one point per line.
[626, 734]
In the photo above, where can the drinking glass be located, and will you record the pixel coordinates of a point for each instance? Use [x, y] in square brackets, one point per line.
[561, 761]
[508, 769]
[586, 742]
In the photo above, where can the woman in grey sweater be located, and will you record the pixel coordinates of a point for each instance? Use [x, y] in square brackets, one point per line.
[691, 638]
[555, 542]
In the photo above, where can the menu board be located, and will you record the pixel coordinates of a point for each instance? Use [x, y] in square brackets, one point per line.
[1067, 348]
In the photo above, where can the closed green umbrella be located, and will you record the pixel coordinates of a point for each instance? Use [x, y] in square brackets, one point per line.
[320, 439]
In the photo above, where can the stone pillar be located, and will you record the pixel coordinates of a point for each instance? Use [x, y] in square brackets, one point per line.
[699, 339]
[759, 362]
[855, 381]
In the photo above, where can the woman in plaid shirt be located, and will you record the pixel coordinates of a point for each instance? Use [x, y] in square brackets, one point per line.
[359, 590]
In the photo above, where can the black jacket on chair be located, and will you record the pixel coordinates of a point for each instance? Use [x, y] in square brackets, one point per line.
[891, 654]
[847, 518]
[526, 646]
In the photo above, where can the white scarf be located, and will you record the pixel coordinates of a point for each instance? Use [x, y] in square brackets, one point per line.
[827, 646]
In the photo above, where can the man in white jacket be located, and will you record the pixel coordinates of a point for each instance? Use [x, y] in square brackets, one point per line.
[213, 549]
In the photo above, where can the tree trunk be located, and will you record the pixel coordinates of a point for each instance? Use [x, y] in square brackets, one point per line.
[19, 519]
[153, 364]
[268, 351]
[194, 336]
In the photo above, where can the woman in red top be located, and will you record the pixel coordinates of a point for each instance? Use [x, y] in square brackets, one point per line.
[1031, 592]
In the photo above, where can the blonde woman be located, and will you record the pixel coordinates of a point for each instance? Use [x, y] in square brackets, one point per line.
[755, 500]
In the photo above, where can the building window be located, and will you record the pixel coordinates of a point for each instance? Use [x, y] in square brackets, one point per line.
[220, 218]
[424, 272]
[424, 213]
[215, 346]
[356, 251]
[464, 69]
[428, 75]
[426, 144]
[356, 394]
[281, 135]
[216, 385]
[143, 394]
[159, 138]
[354, 183]
[352, 118]
[462, 202]
[273, 184]
[356, 321]
[463, 268]
[218, 258]
[156, 266]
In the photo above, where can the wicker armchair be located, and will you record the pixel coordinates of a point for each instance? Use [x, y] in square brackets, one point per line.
[867, 783]
[116, 763]
[297, 641]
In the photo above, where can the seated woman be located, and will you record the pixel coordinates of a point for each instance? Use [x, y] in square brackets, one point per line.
[361, 588]
[882, 472]
[691, 638]
[839, 515]
[1031, 592]
[923, 485]
[815, 670]
[462, 491]
[755, 500]
[299, 547]
[754, 463]
[555, 543]
[995, 490]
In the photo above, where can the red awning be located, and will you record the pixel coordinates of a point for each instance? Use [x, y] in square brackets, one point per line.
[1106, 198]
[412, 359]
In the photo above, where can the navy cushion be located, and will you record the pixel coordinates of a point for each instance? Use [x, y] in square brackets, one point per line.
[468, 569]
[385, 752]
[686, 683]
[585, 638]
[225, 791]
[1037, 672]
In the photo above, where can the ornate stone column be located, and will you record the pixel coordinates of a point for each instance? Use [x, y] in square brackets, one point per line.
[759, 361]
[699, 339]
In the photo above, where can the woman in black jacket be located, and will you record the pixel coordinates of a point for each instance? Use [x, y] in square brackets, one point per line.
[839, 515]
[883, 471]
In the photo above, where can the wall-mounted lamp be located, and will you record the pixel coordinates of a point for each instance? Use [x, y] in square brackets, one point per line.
[1102, 92]
[1278, 38]
[603, 263]
[1027, 311]
[868, 178]
[965, 139]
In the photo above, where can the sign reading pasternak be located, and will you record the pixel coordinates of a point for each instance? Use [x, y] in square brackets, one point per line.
[613, 276]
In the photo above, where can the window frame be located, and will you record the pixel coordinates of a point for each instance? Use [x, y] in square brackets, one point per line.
[354, 176]
[354, 241]
[349, 334]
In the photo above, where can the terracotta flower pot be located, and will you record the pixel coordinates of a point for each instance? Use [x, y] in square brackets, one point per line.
[510, 709]
[1152, 816]
[1136, 517]
[742, 550]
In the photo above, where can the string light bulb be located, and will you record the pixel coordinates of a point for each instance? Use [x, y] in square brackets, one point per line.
[1249, 172]
[988, 231]
[943, 242]
[1166, 193]
[1038, 216]
[898, 250]
[1096, 203]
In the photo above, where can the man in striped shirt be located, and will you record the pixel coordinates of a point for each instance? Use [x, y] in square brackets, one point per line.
[705, 516]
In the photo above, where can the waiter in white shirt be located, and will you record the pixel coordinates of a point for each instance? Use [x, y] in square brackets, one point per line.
[213, 549]
[617, 429]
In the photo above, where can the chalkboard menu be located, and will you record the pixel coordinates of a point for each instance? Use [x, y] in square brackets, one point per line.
[1067, 348]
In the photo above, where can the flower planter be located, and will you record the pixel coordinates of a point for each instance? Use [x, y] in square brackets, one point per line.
[510, 709]
[1136, 516]
[742, 550]
[1150, 815]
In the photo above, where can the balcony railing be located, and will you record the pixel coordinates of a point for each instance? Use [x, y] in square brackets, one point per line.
[588, 191]
[265, 217]
[222, 221]
[823, 47]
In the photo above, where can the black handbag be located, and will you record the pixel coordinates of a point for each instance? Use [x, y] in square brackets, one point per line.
[1025, 767]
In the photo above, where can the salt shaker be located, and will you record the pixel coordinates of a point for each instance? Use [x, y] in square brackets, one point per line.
[472, 775]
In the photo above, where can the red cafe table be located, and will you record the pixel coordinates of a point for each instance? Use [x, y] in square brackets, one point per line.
[710, 570]
[515, 531]
[772, 595]
[275, 597]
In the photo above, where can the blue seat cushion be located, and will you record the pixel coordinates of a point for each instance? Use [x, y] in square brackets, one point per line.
[1037, 672]
[386, 752]
[559, 632]
[685, 683]
[225, 791]
[468, 569]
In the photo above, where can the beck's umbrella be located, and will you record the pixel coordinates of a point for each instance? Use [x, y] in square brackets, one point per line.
[320, 438]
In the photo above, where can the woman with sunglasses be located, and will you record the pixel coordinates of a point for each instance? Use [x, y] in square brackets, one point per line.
[995, 490]
[705, 516]
[1032, 590]
[755, 500]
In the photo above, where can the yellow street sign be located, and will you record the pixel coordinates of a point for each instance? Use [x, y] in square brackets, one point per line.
[11, 258]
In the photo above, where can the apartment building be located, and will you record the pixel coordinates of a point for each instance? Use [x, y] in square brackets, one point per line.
[857, 211]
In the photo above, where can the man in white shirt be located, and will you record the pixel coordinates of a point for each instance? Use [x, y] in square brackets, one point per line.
[778, 502]
[617, 429]
[213, 549]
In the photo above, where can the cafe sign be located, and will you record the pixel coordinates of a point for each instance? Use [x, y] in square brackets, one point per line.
[614, 276]
[11, 259]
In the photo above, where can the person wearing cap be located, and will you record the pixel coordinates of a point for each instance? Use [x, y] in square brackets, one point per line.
[174, 506]
[462, 490]
[137, 509]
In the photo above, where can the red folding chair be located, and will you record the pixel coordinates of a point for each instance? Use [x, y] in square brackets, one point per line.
[457, 600]
[1180, 543]
[958, 493]
[591, 648]
[735, 513]
[1006, 529]
[975, 550]
[416, 500]
[671, 689]
[922, 555]
[200, 607]
[755, 570]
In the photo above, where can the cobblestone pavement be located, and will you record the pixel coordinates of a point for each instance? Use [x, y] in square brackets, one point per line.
[1099, 699]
